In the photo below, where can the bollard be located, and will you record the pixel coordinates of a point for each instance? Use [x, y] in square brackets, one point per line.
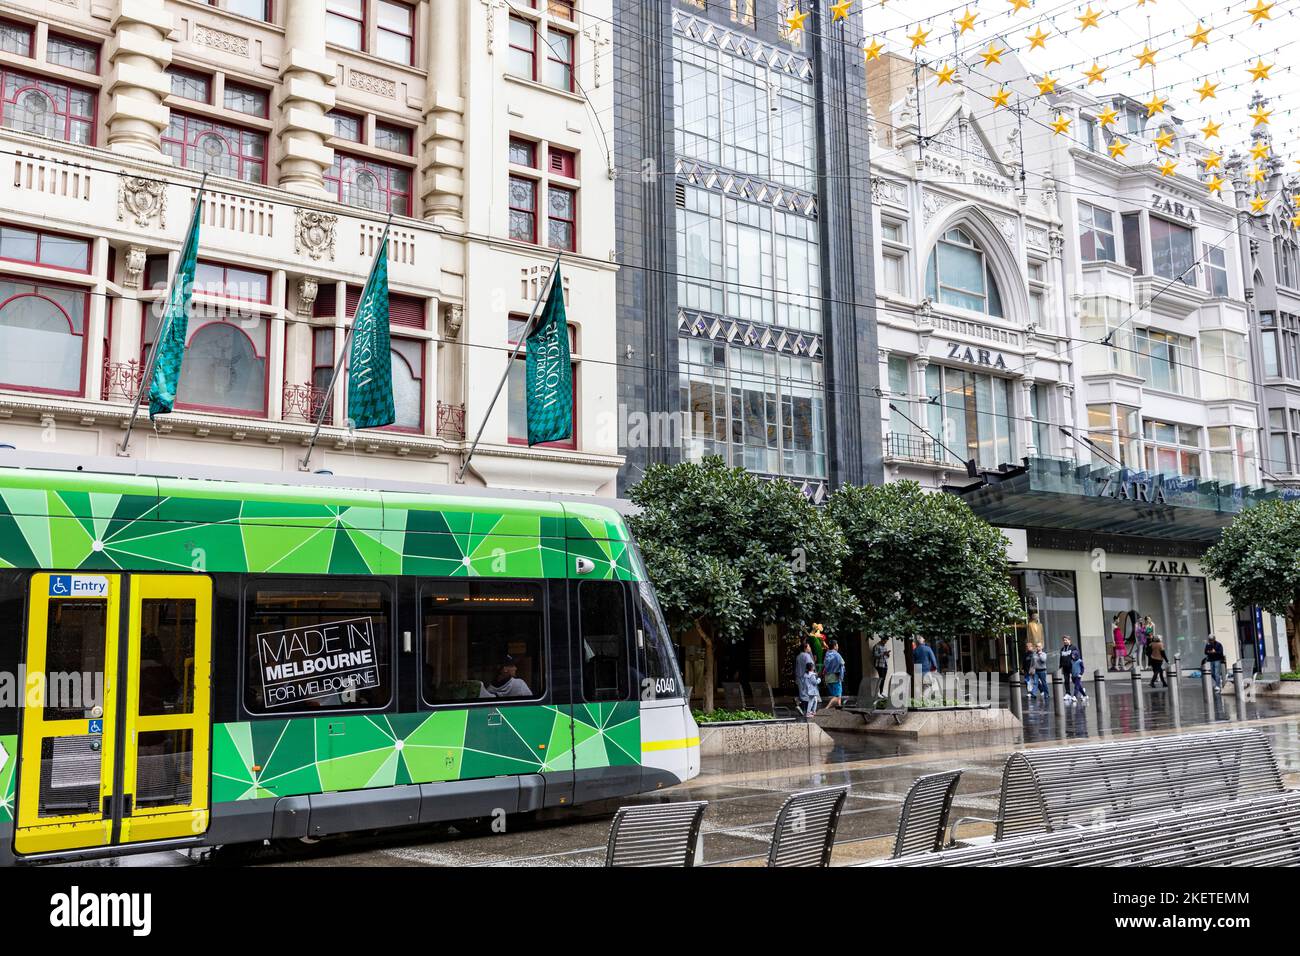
[1139, 704]
[1058, 694]
[1017, 705]
[1239, 687]
[1175, 691]
[1207, 685]
[1103, 703]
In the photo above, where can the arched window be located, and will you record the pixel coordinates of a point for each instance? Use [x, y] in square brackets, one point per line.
[958, 274]
[408, 383]
[41, 337]
[221, 370]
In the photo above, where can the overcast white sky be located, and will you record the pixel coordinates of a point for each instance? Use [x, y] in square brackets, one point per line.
[1122, 30]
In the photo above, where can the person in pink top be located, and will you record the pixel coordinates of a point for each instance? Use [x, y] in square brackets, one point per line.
[1121, 652]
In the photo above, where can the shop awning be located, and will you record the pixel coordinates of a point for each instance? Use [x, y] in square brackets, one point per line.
[1053, 493]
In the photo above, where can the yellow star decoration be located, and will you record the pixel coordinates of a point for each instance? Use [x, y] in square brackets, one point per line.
[1163, 140]
[1257, 204]
[1094, 74]
[967, 21]
[1206, 90]
[1037, 39]
[1210, 129]
[1061, 124]
[840, 11]
[1117, 148]
[795, 21]
[1256, 175]
[1003, 96]
[1167, 167]
[1259, 71]
[1147, 57]
[872, 50]
[1259, 151]
[1107, 117]
[1260, 115]
[1213, 161]
[944, 73]
[1018, 5]
[1089, 18]
[1156, 105]
[1215, 184]
[1259, 11]
[1046, 85]
[918, 38]
[1295, 221]
[993, 54]
[1200, 36]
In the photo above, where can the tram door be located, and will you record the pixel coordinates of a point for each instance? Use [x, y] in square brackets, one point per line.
[115, 730]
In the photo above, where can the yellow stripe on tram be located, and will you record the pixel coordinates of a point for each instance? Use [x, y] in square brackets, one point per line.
[680, 744]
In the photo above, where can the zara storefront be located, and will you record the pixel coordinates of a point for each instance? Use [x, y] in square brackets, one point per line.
[1110, 547]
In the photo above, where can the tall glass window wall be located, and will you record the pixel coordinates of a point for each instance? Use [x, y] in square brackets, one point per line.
[1177, 605]
[972, 414]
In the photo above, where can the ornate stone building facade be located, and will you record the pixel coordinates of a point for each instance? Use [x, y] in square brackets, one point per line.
[476, 125]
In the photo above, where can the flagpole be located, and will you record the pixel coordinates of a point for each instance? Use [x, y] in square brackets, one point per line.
[305, 462]
[510, 364]
[147, 380]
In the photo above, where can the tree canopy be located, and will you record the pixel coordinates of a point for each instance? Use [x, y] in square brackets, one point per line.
[922, 563]
[1258, 557]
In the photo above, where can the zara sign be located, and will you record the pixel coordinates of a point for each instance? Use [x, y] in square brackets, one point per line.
[1172, 207]
[985, 357]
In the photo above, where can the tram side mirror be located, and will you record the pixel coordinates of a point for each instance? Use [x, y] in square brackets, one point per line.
[586, 565]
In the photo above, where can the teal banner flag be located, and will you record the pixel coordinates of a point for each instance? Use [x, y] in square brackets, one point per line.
[174, 328]
[550, 373]
[370, 364]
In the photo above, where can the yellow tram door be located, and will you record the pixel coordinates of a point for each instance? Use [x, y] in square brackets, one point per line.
[166, 733]
[66, 767]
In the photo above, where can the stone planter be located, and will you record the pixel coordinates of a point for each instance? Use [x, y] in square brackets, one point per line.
[923, 722]
[756, 736]
[1279, 688]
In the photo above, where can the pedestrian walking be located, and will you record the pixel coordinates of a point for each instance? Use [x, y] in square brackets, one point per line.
[1067, 657]
[1214, 656]
[1040, 670]
[923, 656]
[808, 692]
[802, 662]
[1077, 671]
[1156, 655]
[880, 659]
[1027, 665]
[833, 674]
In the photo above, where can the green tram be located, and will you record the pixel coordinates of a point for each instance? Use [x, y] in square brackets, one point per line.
[199, 662]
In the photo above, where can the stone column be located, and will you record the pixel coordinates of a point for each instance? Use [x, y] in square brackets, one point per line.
[442, 157]
[138, 57]
[1027, 418]
[308, 76]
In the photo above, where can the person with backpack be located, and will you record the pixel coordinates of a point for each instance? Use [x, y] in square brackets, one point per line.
[1069, 657]
[833, 674]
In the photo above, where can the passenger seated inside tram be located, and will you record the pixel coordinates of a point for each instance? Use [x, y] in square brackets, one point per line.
[507, 683]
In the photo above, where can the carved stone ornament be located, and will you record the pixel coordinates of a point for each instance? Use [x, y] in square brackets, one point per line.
[135, 261]
[142, 200]
[307, 289]
[455, 318]
[935, 203]
[314, 233]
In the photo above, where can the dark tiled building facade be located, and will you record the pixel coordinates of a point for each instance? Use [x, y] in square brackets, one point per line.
[744, 229]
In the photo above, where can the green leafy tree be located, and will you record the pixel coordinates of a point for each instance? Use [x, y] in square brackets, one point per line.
[922, 563]
[1258, 557]
[727, 552]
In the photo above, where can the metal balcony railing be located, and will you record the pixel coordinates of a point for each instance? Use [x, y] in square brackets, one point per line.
[914, 448]
[304, 403]
[451, 421]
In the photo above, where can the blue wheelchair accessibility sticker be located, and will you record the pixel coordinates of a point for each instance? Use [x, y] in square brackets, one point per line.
[78, 585]
[95, 727]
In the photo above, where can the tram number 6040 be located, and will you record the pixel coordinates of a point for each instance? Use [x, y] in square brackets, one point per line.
[655, 687]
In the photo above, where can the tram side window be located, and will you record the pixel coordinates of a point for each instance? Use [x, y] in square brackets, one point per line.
[317, 647]
[483, 640]
[602, 611]
[661, 678]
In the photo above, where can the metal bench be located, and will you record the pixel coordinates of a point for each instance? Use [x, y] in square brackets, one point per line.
[805, 828]
[657, 834]
[923, 821]
[1260, 831]
[762, 698]
[733, 695]
[1071, 787]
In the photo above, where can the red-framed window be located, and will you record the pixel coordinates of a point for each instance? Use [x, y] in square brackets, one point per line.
[370, 184]
[394, 138]
[522, 60]
[562, 218]
[41, 248]
[190, 85]
[194, 142]
[408, 383]
[562, 162]
[42, 336]
[47, 107]
[406, 310]
[247, 99]
[348, 126]
[517, 403]
[225, 367]
[16, 38]
[560, 46]
[407, 354]
[345, 23]
[523, 208]
[563, 9]
[523, 153]
[72, 53]
[395, 31]
[232, 282]
[253, 9]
